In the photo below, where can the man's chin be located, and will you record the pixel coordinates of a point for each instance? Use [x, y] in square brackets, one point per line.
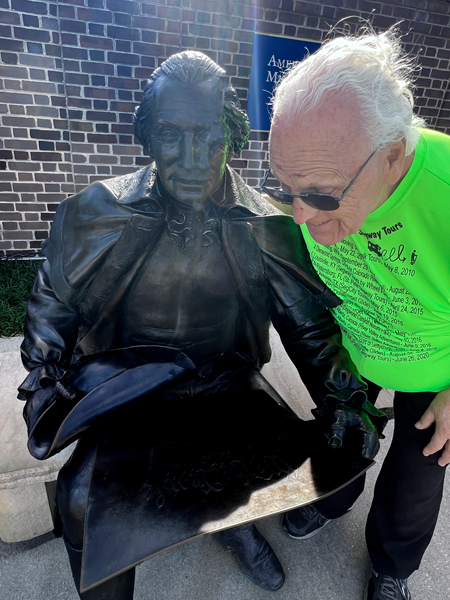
[326, 236]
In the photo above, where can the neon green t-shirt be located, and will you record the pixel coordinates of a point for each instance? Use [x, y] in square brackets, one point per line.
[393, 278]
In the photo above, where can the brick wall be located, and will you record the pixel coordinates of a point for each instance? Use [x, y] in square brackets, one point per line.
[72, 71]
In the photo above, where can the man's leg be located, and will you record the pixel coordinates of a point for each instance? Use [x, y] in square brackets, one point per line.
[73, 482]
[307, 521]
[407, 494]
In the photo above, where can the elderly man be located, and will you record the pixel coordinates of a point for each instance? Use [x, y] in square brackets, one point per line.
[158, 294]
[371, 193]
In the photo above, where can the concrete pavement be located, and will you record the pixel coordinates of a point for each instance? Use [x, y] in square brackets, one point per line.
[331, 566]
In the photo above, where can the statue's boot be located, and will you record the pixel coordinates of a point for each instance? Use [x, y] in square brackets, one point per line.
[255, 557]
[120, 587]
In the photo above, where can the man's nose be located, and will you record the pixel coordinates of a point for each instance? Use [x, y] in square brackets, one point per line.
[302, 213]
[192, 153]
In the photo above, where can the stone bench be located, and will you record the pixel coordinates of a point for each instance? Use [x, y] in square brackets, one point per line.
[27, 486]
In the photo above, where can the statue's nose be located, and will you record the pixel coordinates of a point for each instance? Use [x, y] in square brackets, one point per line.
[192, 153]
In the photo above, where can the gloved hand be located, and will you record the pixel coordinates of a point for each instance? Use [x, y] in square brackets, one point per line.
[38, 401]
[341, 413]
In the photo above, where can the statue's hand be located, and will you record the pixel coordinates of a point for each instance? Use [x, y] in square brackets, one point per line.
[357, 415]
[38, 401]
[349, 418]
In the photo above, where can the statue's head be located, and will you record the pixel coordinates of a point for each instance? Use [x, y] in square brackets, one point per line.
[190, 122]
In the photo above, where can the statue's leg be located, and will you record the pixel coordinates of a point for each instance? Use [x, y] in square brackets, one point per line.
[72, 490]
[254, 555]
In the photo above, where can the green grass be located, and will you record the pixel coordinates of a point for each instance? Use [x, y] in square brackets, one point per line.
[16, 281]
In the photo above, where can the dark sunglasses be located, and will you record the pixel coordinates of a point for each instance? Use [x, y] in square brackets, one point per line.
[316, 200]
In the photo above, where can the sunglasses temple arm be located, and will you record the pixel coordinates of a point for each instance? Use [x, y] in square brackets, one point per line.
[347, 189]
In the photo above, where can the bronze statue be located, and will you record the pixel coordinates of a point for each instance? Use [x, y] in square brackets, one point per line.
[152, 313]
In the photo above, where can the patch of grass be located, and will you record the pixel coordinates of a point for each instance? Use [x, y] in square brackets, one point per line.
[16, 280]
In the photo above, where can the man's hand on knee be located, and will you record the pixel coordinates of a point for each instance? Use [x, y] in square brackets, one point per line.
[439, 413]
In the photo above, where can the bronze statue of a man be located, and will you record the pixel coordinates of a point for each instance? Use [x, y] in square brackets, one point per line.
[154, 306]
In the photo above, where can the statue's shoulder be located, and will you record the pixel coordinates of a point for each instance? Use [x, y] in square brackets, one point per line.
[131, 187]
[247, 196]
[110, 195]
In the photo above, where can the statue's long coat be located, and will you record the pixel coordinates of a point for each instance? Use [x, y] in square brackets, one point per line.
[100, 239]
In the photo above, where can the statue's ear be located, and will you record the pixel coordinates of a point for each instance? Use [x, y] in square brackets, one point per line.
[150, 150]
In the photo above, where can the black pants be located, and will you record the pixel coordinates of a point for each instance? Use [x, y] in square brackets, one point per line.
[407, 495]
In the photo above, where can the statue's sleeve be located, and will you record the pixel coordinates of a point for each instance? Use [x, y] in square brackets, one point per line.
[300, 303]
[50, 334]
[315, 347]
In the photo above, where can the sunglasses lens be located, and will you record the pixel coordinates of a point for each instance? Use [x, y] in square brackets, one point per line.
[321, 201]
[278, 195]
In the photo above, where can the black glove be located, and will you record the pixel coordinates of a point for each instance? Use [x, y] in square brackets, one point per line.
[38, 401]
[341, 413]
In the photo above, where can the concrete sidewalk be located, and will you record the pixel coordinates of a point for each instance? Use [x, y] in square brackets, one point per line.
[333, 565]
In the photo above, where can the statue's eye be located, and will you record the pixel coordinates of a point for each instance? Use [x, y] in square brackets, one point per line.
[218, 142]
[168, 136]
[204, 136]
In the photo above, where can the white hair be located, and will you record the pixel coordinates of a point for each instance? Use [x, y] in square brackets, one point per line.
[373, 69]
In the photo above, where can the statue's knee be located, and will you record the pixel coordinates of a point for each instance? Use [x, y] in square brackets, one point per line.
[72, 494]
[71, 500]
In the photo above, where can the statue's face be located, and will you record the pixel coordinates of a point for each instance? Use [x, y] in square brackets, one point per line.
[187, 140]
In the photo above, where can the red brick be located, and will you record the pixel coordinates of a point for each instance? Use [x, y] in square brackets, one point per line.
[225, 45]
[12, 45]
[123, 33]
[34, 35]
[94, 16]
[274, 28]
[73, 26]
[11, 216]
[210, 32]
[77, 53]
[9, 17]
[99, 68]
[77, 78]
[169, 38]
[249, 24]
[132, 7]
[66, 12]
[123, 58]
[37, 8]
[169, 12]
[96, 42]
[122, 82]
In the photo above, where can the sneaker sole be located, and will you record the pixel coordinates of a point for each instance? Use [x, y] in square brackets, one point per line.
[308, 535]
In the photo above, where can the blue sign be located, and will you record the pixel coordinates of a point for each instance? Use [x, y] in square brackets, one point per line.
[271, 57]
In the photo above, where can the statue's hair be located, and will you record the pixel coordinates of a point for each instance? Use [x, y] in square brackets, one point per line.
[372, 71]
[195, 68]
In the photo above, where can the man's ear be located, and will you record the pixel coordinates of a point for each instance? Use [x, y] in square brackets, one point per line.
[395, 160]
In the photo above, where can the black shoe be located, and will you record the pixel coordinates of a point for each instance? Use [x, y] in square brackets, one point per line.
[383, 587]
[304, 522]
[255, 557]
